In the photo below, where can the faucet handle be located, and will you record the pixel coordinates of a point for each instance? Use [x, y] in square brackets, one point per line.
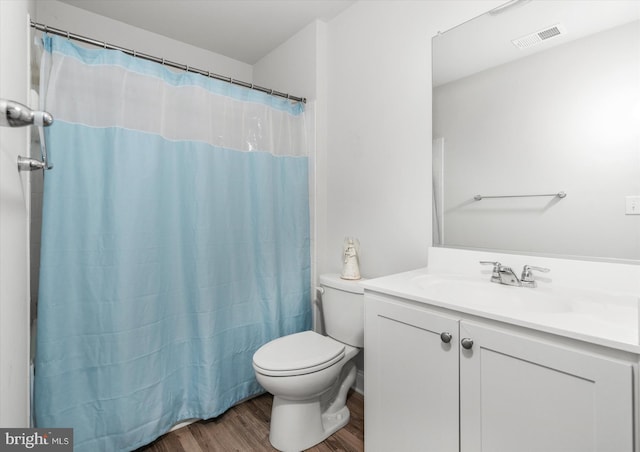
[527, 274]
[495, 275]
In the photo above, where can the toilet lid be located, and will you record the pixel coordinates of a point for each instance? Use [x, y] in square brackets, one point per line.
[298, 354]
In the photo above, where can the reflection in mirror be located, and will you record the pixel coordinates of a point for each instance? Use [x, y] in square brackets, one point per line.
[536, 99]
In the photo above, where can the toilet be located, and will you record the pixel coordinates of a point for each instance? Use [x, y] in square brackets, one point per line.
[310, 374]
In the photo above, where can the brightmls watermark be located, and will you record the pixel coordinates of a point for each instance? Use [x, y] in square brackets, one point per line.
[36, 439]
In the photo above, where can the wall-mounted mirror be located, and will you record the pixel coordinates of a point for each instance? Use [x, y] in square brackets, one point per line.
[537, 98]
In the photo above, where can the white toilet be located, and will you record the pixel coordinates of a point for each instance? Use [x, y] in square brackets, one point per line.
[309, 374]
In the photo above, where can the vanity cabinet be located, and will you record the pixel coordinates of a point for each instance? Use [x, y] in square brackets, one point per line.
[411, 379]
[519, 393]
[505, 390]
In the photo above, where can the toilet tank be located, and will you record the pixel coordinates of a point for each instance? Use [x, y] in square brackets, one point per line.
[343, 309]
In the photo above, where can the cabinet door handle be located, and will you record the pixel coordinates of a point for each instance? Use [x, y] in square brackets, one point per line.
[446, 337]
[467, 343]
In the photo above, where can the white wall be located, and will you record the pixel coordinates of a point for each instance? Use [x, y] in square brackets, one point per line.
[378, 175]
[14, 226]
[563, 119]
[76, 20]
[293, 67]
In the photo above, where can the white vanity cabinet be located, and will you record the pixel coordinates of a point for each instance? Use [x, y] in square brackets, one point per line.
[512, 390]
[523, 393]
[411, 379]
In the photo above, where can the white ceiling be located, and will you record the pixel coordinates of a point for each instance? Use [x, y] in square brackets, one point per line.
[485, 41]
[245, 30]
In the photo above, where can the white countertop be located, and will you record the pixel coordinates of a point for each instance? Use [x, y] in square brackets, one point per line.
[604, 317]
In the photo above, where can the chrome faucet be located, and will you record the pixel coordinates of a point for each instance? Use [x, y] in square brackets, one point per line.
[508, 277]
[505, 275]
[527, 279]
[502, 274]
[15, 114]
[495, 275]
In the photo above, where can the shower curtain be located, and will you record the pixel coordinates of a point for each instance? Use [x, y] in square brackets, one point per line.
[175, 242]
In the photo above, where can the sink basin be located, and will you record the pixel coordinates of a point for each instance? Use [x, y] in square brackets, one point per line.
[486, 295]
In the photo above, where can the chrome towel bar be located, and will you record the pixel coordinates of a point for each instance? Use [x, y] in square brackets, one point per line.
[560, 195]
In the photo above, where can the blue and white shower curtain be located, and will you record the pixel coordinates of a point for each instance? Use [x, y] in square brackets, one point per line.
[175, 242]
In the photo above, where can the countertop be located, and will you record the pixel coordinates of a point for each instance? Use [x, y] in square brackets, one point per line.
[599, 317]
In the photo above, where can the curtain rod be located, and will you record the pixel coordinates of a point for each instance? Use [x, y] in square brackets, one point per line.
[144, 56]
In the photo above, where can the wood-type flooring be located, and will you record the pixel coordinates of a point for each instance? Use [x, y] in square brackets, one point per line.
[245, 428]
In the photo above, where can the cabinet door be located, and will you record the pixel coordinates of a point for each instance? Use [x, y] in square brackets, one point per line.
[523, 394]
[411, 391]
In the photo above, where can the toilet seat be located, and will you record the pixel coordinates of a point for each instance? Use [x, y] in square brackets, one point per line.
[298, 354]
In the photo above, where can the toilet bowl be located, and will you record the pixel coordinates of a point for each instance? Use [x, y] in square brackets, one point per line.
[310, 374]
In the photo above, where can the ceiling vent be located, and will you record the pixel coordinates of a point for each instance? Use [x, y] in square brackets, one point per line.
[533, 39]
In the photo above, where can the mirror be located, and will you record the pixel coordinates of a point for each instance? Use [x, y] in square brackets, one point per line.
[540, 98]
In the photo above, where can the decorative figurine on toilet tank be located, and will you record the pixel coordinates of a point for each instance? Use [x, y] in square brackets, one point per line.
[350, 261]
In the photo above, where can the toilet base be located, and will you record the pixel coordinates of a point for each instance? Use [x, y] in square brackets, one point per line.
[298, 425]
[335, 421]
